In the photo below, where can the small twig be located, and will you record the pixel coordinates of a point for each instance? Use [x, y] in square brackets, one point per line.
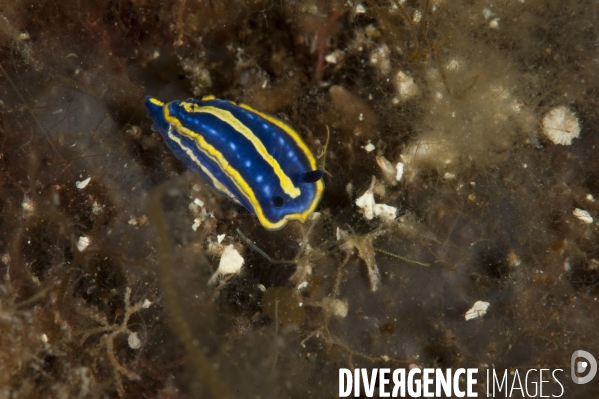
[33, 298]
[31, 112]
[382, 251]
[304, 241]
[323, 154]
[264, 254]
[206, 372]
[276, 335]
[335, 289]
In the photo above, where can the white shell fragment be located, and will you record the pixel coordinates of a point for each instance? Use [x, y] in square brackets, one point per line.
[134, 341]
[583, 215]
[370, 208]
[230, 263]
[196, 223]
[220, 238]
[561, 125]
[400, 168]
[366, 202]
[83, 243]
[369, 147]
[479, 309]
[386, 212]
[405, 86]
[83, 183]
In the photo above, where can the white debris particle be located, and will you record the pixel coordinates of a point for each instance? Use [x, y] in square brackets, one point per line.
[335, 57]
[400, 168]
[44, 338]
[198, 202]
[449, 176]
[369, 147]
[83, 243]
[366, 202]
[386, 212]
[373, 33]
[479, 309]
[513, 259]
[5, 258]
[405, 86]
[583, 215]
[83, 183]
[341, 234]
[28, 206]
[360, 9]
[560, 125]
[453, 65]
[370, 208]
[133, 340]
[590, 197]
[487, 13]
[314, 215]
[302, 285]
[261, 287]
[230, 263]
[379, 58]
[147, 303]
[335, 307]
[96, 208]
[417, 16]
[567, 266]
[141, 220]
[220, 238]
[494, 24]
[196, 223]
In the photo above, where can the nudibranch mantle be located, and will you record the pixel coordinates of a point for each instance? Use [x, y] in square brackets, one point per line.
[253, 158]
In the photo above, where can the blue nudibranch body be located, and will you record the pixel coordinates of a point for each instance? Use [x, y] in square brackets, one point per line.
[249, 156]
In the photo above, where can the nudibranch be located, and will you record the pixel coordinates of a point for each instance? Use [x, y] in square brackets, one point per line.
[255, 159]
